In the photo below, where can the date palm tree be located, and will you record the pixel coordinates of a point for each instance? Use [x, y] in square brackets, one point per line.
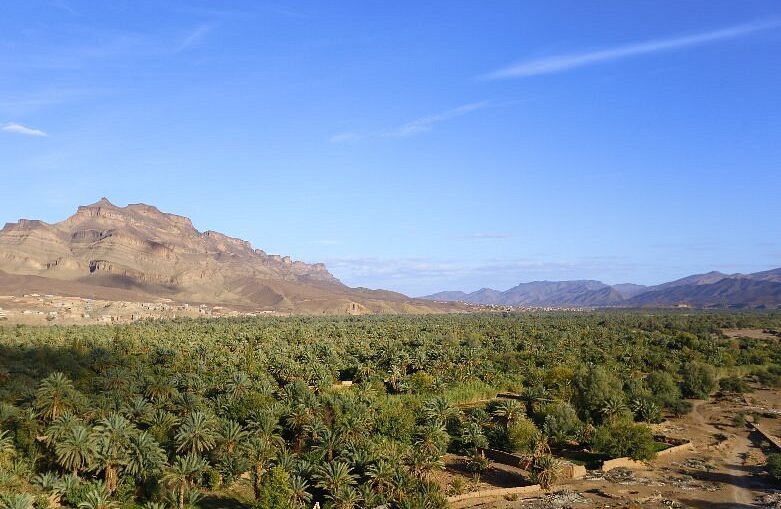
[296, 421]
[231, 435]
[545, 470]
[262, 445]
[238, 385]
[439, 410]
[161, 424]
[7, 449]
[77, 449]
[160, 391]
[472, 436]
[612, 408]
[333, 477]
[137, 409]
[508, 411]
[98, 498]
[196, 434]
[145, 456]
[432, 440]
[55, 396]
[380, 475]
[299, 496]
[113, 445]
[286, 460]
[422, 463]
[329, 443]
[17, 501]
[346, 498]
[179, 476]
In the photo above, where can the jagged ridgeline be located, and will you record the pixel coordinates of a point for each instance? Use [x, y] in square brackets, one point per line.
[138, 252]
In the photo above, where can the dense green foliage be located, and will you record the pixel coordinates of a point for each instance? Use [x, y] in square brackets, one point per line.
[163, 413]
[624, 438]
[773, 465]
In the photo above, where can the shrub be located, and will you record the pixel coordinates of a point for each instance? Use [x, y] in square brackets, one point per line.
[699, 380]
[561, 422]
[773, 465]
[771, 377]
[681, 408]
[593, 387]
[624, 438]
[522, 436]
[545, 471]
[420, 383]
[663, 388]
[395, 421]
[275, 491]
[646, 410]
[457, 486]
[733, 384]
[213, 479]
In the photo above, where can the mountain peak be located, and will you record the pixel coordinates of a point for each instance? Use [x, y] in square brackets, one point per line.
[103, 202]
[142, 254]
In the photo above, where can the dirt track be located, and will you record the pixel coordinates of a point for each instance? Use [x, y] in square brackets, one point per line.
[732, 453]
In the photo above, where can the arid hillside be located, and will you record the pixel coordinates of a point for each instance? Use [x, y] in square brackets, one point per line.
[138, 252]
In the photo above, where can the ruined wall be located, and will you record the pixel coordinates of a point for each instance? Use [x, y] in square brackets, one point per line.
[505, 458]
[685, 446]
[769, 436]
[622, 463]
[572, 471]
[499, 492]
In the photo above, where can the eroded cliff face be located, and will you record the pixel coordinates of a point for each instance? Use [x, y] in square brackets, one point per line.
[140, 246]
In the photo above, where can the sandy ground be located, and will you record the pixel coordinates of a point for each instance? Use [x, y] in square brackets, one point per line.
[723, 470]
[749, 333]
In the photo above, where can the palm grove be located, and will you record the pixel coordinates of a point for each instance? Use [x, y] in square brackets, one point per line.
[163, 414]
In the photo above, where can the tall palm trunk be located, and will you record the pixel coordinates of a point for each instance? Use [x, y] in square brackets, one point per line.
[258, 474]
[112, 478]
[181, 496]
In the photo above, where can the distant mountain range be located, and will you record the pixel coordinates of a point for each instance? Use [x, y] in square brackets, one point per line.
[711, 290]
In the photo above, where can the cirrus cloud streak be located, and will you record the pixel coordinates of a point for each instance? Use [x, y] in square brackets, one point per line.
[14, 128]
[564, 62]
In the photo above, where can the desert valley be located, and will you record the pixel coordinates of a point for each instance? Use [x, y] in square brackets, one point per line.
[453, 254]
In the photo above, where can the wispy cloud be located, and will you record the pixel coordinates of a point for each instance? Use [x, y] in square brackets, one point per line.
[412, 128]
[420, 276]
[192, 38]
[424, 124]
[565, 62]
[22, 129]
[514, 270]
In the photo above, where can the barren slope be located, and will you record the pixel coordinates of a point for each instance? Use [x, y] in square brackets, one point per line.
[138, 251]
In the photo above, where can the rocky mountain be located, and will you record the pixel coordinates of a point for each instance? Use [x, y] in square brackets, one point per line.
[768, 275]
[540, 294]
[728, 292]
[138, 252]
[711, 290]
[629, 290]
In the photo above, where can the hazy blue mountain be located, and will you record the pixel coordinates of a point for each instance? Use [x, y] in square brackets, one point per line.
[713, 289]
[629, 290]
[735, 292]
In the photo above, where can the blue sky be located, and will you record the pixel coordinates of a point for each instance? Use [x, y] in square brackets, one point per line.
[415, 146]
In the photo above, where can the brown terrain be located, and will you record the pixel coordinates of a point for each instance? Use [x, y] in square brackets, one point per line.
[139, 254]
[722, 469]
